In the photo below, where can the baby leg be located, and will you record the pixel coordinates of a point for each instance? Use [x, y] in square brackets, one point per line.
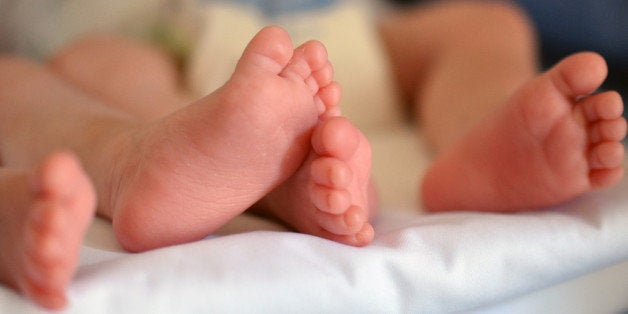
[296, 201]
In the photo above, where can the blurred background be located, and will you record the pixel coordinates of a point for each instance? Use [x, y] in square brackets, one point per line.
[37, 27]
[568, 26]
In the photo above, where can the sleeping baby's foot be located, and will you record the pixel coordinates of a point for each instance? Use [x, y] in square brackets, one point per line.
[552, 141]
[121, 60]
[44, 218]
[330, 195]
[182, 177]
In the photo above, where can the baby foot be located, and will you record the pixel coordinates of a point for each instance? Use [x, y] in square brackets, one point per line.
[78, 62]
[330, 195]
[182, 177]
[552, 141]
[44, 228]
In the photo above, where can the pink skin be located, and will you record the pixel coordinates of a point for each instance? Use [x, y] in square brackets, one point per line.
[553, 136]
[505, 136]
[330, 195]
[275, 85]
[45, 216]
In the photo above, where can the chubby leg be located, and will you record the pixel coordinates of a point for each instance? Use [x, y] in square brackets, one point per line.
[202, 164]
[505, 137]
[327, 191]
[179, 178]
[44, 217]
[457, 61]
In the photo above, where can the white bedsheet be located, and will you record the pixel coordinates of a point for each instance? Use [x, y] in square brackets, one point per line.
[417, 263]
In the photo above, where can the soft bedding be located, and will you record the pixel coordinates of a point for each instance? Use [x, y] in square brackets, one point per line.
[417, 263]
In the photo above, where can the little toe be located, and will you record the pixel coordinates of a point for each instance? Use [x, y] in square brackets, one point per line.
[50, 298]
[331, 172]
[359, 239]
[603, 178]
[53, 300]
[365, 235]
[336, 137]
[608, 130]
[606, 155]
[332, 201]
[347, 223]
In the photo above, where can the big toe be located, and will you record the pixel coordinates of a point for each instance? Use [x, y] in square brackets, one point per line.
[579, 74]
[62, 177]
[336, 137]
[309, 63]
[270, 49]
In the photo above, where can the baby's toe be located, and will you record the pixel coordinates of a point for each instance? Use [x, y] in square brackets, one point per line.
[328, 200]
[606, 155]
[361, 238]
[46, 296]
[320, 78]
[314, 53]
[336, 137]
[45, 271]
[331, 173]
[345, 224]
[579, 74]
[325, 75]
[327, 100]
[608, 130]
[307, 58]
[603, 178]
[271, 49]
[603, 106]
[365, 235]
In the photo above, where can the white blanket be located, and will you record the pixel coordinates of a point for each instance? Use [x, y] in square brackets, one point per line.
[417, 263]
